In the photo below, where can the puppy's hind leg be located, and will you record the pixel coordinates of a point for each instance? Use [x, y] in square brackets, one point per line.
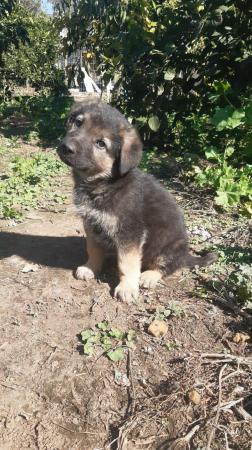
[95, 260]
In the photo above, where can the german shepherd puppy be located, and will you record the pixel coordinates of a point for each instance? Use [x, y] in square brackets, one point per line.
[123, 209]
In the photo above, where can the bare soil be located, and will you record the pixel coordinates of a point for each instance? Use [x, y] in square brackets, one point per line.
[55, 397]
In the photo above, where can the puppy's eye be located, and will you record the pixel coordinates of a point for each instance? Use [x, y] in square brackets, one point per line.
[78, 122]
[100, 144]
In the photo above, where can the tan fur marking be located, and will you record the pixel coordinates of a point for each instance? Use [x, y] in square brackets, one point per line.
[150, 278]
[129, 263]
[104, 162]
[96, 255]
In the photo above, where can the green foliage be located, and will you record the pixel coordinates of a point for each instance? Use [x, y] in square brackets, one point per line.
[182, 74]
[174, 309]
[27, 182]
[30, 50]
[230, 184]
[46, 114]
[13, 29]
[34, 62]
[240, 280]
[111, 340]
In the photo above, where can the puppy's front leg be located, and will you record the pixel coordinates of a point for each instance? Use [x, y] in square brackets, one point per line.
[129, 263]
[95, 260]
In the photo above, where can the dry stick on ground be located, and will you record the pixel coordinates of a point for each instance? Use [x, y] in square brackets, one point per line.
[76, 431]
[226, 357]
[133, 397]
[184, 440]
[211, 436]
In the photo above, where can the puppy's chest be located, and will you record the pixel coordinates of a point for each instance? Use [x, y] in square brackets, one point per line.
[96, 215]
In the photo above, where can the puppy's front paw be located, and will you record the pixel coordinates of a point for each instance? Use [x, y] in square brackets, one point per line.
[84, 273]
[149, 279]
[126, 292]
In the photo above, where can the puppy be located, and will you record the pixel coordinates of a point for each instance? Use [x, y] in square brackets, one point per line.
[123, 209]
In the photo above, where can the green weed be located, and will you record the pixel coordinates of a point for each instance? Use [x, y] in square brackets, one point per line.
[240, 280]
[162, 313]
[112, 341]
[230, 183]
[27, 182]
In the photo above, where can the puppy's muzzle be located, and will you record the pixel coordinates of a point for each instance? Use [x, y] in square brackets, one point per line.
[67, 148]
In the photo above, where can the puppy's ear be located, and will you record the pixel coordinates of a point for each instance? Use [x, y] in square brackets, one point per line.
[131, 150]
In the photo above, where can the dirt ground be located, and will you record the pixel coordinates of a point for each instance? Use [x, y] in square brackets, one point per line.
[189, 389]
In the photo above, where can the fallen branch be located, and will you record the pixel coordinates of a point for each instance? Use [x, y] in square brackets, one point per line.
[243, 413]
[224, 357]
[212, 434]
[184, 440]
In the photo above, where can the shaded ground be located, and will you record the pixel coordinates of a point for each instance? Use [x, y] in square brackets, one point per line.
[54, 397]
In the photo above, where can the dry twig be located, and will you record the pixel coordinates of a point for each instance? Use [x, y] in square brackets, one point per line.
[184, 440]
[226, 357]
[211, 436]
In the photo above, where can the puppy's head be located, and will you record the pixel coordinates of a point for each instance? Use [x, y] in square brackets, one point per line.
[100, 142]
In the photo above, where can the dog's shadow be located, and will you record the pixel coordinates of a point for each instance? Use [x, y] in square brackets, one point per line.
[52, 251]
[62, 252]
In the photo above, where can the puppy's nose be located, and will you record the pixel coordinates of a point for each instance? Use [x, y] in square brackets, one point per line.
[67, 148]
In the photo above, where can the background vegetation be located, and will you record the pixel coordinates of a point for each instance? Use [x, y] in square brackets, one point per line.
[182, 74]
[29, 49]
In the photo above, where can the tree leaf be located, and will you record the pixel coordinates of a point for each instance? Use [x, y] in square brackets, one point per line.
[154, 123]
[212, 153]
[221, 116]
[169, 75]
[228, 152]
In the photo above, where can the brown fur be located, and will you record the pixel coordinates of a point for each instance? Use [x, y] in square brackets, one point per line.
[124, 209]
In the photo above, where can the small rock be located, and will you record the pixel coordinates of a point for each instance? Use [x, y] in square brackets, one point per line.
[148, 350]
[30, 268]
[158, 328]
[121, 378]
[205, 277]
[240, 337]
[194, 397]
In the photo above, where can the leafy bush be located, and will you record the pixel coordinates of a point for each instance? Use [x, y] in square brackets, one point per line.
[27, 182]
[31, 52]
[181, 73]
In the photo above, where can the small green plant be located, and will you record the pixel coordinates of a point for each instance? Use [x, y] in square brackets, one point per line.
[111, 340]
[230, 183]
[240, 280]
[27, 182]
[163, 313]
[171, 345]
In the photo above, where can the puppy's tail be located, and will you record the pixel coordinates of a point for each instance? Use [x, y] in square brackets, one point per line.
[201, 261]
